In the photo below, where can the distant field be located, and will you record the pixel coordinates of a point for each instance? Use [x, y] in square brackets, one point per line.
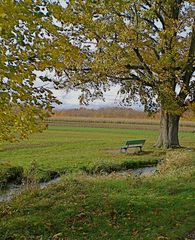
[132, 123]
[114, 113]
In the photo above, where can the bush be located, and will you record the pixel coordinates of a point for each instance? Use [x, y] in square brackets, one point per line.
[118, 167]
[10, 174]
[49, 175]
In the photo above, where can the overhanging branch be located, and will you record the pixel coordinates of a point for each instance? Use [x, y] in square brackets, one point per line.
[189, 69]
[136, 50]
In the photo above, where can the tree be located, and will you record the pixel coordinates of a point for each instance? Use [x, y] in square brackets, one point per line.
[24, 101]
[147, 47]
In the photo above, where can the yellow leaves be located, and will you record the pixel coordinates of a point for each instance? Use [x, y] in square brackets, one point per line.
[25, 107]
[192, 107]
[3, 15]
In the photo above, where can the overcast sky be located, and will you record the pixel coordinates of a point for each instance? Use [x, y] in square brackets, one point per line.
[70, 100]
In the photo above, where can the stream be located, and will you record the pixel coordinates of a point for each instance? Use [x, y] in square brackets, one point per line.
[141, 171]
[15, 190]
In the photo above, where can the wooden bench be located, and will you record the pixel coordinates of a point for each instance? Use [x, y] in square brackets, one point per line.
[133, 144]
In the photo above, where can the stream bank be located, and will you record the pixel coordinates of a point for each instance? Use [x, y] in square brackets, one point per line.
[13, 190]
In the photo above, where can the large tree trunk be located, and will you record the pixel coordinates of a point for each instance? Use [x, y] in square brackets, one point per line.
[169, 128]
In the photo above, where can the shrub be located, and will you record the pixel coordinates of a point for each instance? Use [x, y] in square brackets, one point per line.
[118, 167]
[10, 174]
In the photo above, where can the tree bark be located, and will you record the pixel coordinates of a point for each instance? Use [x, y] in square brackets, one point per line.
[169, 129]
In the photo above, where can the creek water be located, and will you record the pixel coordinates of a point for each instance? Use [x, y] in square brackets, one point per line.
[144, 171]
[13, 190]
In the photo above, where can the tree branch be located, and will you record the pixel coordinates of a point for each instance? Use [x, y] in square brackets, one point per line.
[131, 77]
[189, 69]
[136, 50]
[160, 17]
[148, 3]
[134, 67]
[151, 24]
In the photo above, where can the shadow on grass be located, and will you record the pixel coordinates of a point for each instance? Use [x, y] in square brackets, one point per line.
[129, 152]
[141, 153]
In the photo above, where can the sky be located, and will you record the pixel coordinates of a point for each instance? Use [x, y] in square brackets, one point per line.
[70, 100]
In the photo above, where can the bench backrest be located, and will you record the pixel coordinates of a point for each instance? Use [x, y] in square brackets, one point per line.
[135, 142]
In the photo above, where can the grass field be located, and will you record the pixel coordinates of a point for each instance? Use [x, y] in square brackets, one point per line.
[72, 148]
[122, 123]
[81, 206]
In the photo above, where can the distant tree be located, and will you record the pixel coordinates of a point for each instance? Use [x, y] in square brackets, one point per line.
[24, 101]
[146, 47]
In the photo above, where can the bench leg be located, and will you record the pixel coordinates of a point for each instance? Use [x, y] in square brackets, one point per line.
[124, 149]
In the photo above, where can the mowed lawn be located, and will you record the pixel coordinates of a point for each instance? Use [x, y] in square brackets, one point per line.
[156, 207]
[71, 148]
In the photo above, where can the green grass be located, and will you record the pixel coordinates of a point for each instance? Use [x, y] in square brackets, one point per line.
[80, 206]
[70, 149]
[106, 207]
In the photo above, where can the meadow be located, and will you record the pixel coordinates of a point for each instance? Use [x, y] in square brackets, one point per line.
[94, 206]
[64, 148]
